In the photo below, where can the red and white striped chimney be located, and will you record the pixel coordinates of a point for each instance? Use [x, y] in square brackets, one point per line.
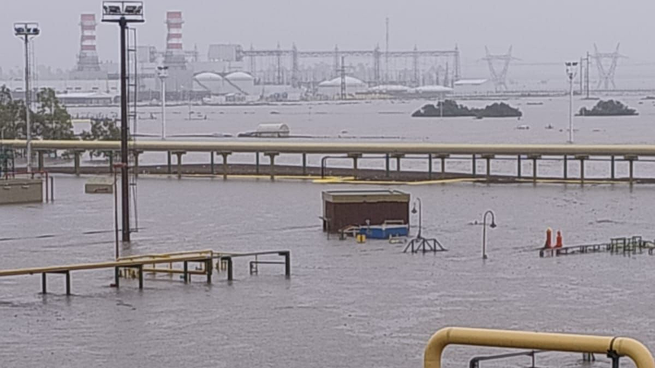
[88, 40]
[88, 57]
[174, 23]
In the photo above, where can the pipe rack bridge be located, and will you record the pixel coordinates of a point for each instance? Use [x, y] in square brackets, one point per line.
[345, 148]
[356, 151]
[148, 263]
[614, 347]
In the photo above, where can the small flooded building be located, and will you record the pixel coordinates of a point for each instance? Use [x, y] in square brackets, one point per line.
[360, 208]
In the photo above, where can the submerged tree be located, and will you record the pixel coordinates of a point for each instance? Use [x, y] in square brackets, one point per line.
[50, 120]
[608, 108]
[102, 130]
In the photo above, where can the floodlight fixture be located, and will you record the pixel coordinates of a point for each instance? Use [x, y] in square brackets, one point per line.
[23, 29]
[127, 11]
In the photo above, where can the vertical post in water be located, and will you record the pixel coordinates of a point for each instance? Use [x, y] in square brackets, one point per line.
[430, 166]
[68, 282]
[211, 163]
[387, 164]
[125, 184]
[287, 263]
[518, 166]
[304, 164]
[474, 165]
[140, 269]
[612, 169]
[230, 271]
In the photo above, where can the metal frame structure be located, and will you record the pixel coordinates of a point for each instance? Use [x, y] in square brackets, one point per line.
[25, 30]
[295, 56]
[606, 76]
[499, 78]
[421, 244]
[124, 13]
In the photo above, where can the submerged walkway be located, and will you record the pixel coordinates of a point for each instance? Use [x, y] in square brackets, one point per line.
[138, 265]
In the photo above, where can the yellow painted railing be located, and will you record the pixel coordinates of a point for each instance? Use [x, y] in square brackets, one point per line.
[621, 346]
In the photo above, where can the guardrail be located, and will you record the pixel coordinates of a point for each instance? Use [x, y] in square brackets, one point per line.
[615, 347]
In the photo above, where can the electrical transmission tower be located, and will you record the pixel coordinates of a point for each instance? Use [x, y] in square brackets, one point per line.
[606, 76]
[499, 78]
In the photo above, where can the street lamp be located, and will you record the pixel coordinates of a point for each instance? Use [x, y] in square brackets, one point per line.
[162, 73]
[25, 30]
[484, 231]
[571, 72]
[123, 13]
[420, 213]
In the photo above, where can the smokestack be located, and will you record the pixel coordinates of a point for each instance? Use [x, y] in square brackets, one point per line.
[88, 58]
[174, 57]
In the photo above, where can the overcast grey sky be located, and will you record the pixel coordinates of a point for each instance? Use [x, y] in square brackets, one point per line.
[550, 30]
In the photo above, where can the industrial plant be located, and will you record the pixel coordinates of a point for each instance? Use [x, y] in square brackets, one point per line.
[229, 73]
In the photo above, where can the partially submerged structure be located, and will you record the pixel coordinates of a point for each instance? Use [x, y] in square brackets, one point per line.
[375, 213]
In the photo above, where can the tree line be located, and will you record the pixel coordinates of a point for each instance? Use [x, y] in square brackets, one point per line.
[50, 120]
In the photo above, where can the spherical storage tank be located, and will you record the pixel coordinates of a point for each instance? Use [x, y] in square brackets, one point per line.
[211, 82]
[241, 83]
[332, 88]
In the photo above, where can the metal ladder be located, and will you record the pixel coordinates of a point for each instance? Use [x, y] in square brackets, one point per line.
[132, 114]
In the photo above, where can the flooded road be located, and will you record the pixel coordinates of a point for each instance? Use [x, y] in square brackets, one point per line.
[346, 304]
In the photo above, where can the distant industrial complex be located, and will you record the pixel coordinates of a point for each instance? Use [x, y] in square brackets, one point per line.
[230, 73]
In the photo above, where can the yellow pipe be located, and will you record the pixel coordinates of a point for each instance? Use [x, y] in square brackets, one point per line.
[344, 148]
[534, 340]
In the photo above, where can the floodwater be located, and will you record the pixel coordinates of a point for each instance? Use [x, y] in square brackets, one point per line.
[346, 304]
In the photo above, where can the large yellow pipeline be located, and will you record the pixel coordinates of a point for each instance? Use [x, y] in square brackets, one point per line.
[535, 340]
[324, 147]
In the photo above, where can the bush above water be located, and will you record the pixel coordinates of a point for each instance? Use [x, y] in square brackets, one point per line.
[452, 109]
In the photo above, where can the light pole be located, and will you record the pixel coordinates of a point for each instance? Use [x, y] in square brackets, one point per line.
[123, 13]
[26, 30]
[420, 215]
[484, 231]
[571, 72]
[162, 72]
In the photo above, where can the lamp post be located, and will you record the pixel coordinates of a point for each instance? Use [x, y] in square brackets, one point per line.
[25, 30]
[571, 72]
[162, 73]
[420, 213]
[484, 230]
[124, 13]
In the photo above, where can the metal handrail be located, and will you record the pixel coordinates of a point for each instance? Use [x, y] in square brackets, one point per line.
[613, 346]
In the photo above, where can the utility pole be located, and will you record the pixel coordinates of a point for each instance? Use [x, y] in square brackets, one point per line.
[123, 13]
[571, 68]
[386, 55]
[343, 77]
[587, 75]
[25, 31]
[162, 72]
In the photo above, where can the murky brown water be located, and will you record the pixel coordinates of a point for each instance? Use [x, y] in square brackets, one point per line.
[346, 305]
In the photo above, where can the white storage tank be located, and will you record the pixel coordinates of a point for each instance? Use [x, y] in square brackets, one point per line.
[211, 82]
[241, 83]
[332, 88]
